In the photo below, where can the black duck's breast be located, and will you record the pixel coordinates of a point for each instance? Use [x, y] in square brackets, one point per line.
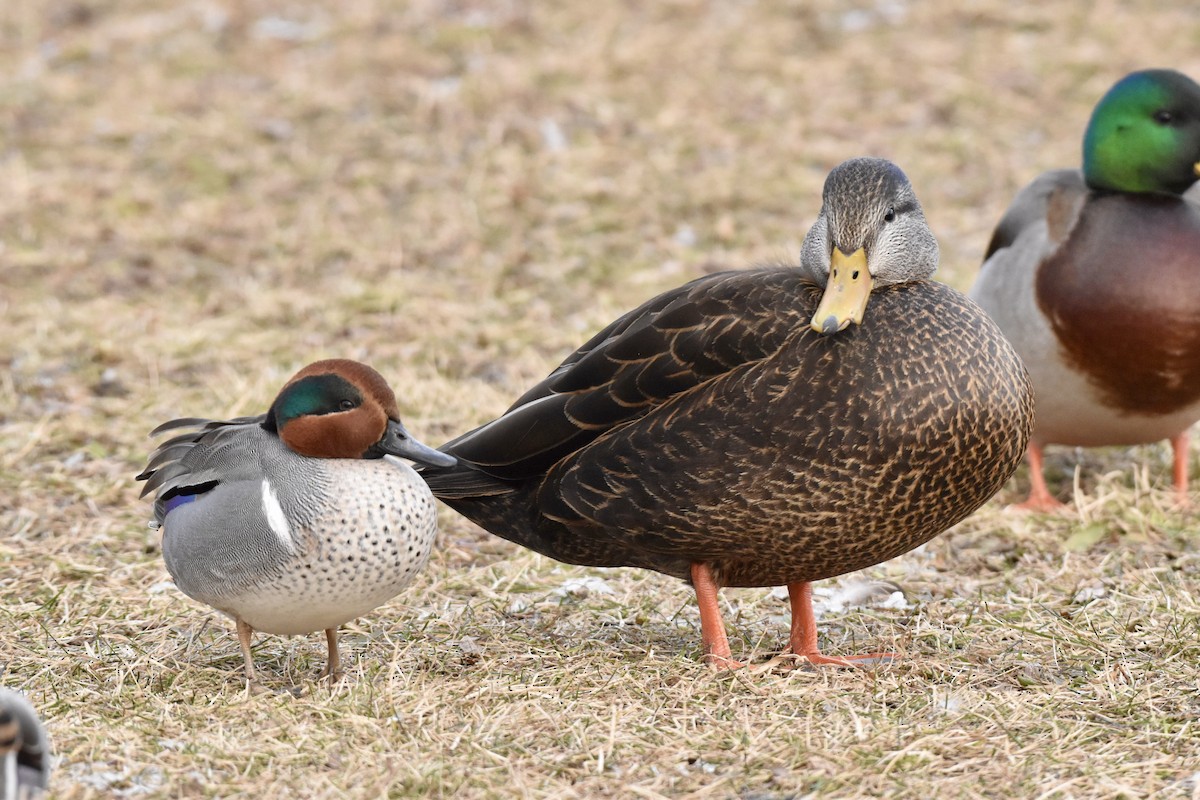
[843, 452]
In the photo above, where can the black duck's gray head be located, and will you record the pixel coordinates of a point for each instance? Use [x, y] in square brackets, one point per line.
[871, 232]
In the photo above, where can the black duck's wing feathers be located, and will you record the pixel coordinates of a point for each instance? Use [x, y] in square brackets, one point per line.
[543, 389]
[462, 482]
[674, 343]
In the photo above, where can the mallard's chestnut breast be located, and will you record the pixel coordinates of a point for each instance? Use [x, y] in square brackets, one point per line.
[1123, 298]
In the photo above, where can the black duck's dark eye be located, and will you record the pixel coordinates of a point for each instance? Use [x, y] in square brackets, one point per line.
[890, 214]
[346, 405]
[1164, 117]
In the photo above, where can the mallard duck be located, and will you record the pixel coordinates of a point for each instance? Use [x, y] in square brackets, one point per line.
[299, 519]
[766, 427]
[1094, 276]
[24, 750]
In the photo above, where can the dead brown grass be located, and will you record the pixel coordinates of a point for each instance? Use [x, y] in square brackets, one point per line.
[198, 197]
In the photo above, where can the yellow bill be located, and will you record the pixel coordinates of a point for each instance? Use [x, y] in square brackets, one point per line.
[1196, 169]
[846, 293]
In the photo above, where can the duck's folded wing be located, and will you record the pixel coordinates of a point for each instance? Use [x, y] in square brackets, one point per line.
[674, 344]
[207, 453]
[1192, 195]
[1051, 198]
[704, 446]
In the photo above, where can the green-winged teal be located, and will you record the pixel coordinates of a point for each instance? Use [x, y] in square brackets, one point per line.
[24, 750]
[302, 518]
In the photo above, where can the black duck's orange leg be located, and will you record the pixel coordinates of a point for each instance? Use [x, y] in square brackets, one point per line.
[803, 641]
[1040, 498]
[712, 629]
[1179, 443]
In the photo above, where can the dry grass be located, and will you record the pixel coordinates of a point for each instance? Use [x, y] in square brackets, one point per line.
[197, 197]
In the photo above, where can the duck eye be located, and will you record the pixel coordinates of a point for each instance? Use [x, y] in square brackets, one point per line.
[890, 214]
[346, 405]
[1164, 117]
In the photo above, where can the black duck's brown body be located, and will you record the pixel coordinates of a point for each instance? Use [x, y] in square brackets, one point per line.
[712, 426]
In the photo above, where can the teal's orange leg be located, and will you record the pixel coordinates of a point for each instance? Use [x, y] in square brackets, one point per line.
[803, 641]
[333, 664]
[244, 632]
[1040, 498]
[712, 628]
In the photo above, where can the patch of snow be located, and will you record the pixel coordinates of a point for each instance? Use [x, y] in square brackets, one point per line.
[1087, 594]
[582, 587]
[552, 135]
[287, 30]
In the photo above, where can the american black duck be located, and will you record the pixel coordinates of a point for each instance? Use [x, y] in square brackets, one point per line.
[742, 430]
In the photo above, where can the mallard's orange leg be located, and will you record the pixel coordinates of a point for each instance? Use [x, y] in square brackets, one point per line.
[712, 629]
[1179, 444]
[803, 641]
[1040, 498]
[333, 664]
[244, 632]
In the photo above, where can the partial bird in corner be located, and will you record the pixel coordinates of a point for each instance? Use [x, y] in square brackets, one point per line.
[302, 518]
[773, 426]
[1094, 275]
[24, 750]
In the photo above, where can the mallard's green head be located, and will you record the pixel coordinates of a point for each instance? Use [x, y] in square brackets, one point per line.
[1144, 135]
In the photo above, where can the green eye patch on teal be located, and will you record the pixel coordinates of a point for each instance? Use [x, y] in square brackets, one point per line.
[313, 395]
[1144, 135]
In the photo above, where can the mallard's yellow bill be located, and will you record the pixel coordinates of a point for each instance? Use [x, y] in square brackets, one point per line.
[846, 293]
[1196, 169]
